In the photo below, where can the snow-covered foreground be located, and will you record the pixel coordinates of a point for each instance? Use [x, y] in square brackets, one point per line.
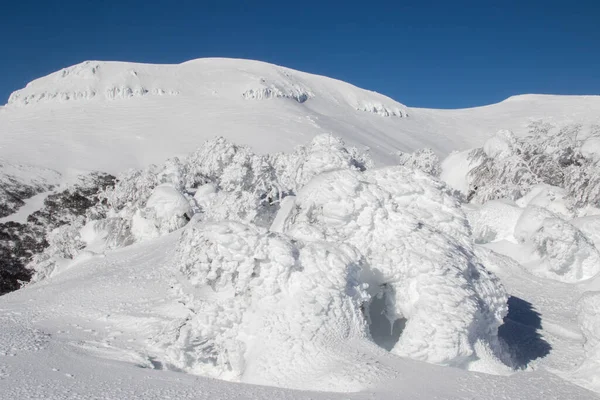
[84, 334]
[325, 267]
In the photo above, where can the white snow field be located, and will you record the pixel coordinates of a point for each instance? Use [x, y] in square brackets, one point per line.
[277, 238]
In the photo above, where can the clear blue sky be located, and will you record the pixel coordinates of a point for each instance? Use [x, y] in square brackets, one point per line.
[442, 54]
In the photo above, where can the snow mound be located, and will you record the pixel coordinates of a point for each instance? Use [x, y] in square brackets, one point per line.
[588, 314]
[415, 242]
[166, 210]
[552, 198]
[495, 220]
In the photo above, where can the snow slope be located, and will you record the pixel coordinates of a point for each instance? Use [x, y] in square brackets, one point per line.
[110, 116]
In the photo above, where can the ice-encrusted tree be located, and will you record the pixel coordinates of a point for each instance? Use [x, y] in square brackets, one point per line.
[508, 166]
[423, 159]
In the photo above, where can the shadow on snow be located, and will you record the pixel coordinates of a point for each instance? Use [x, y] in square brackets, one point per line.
[520, 332]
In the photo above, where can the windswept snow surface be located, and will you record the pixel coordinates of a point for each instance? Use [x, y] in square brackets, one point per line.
[284, 246]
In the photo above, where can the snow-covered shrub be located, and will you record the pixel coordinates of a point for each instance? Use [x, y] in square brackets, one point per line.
[219, 181]
[508, 166]
[583, 183]
[347, 238]
[255, 297]
[500, 171]
[166, 210]
[565, 253]
[65, 243]
[415, 239]
[243, 188]
[324, 153]
[423, 159]
[558, 249]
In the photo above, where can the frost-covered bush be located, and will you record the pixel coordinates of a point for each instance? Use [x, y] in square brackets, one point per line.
[558, 250]
[255, 297]
[501, 171]
[64, 243]
[244, 183]
[324, 153]
[166, 210]
[415, 239]
[219, 181]
[423, 159]
[566, 253]
[508, 166]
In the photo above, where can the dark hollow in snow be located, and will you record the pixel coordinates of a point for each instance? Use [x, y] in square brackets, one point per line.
[383, 332]
[520, 332]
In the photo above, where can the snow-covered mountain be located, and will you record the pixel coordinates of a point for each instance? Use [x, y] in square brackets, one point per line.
[110, 116]
[286, 229]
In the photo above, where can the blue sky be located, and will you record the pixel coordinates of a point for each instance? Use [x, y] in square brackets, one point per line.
[439, 54]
